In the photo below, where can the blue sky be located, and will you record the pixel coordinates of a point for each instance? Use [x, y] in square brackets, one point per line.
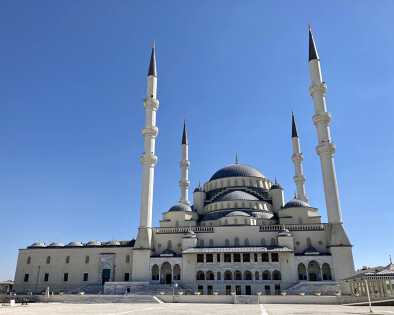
[72, 81]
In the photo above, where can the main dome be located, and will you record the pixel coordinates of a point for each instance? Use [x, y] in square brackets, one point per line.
[236, 170]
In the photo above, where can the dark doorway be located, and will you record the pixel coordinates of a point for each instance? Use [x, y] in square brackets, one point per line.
[248, 290]
[106, 275]
[168, 278]
[238, 290]
[267, 290]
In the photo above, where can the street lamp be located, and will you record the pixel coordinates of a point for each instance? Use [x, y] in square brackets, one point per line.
[173, 291]
[258, 297]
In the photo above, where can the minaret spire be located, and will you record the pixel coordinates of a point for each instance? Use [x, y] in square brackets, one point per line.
[148, 158]
[297, 158]
[184, 165]
[313, 55]
[236, 158]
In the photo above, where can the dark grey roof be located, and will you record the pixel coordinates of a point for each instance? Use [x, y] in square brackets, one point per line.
[236, 170]
[180, 207]
[237, 195]
[311, 251]
[294, 133]
[296, 203]
[312, 47]
[152, 64]
[184, 134]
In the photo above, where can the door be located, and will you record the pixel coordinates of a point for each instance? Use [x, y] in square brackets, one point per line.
[238, 290]
[168, 278]
[106, 275]
[248, 290]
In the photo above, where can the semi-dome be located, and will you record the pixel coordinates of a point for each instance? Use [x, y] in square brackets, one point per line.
[296, 203]
[38, 244]
[238, 195]
[56, 244]
[79, 244]
[238, 214]
[180, 207]
[236, 170]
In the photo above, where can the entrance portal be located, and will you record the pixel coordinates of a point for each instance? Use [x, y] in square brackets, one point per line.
[166, 273]
[105, 276]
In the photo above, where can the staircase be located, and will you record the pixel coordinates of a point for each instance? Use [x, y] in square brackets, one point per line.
[313, 287]
[139, 288]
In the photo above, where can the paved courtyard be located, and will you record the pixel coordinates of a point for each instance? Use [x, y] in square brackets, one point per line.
[189, 309]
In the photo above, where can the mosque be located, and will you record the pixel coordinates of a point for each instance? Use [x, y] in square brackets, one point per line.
[239, 235]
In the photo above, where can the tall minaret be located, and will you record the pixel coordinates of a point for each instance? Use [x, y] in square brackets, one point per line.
[325, 148]
[184, 165]
[297, 158]
[148, 158]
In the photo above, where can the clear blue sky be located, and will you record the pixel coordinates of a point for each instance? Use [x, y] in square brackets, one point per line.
[72, 81]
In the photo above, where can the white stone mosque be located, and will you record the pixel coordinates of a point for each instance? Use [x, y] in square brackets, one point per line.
[238, 235]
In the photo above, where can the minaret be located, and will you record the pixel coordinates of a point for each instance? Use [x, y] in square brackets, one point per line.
[184, 165]
[297, 158]
[148, 158]
[325, 148]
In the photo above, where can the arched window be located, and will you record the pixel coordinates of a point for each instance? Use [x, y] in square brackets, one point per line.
[236, 241]
[48, 260]
[246, 242]
[326, 271]
[200, 275]
[266, 275]
[227, 242]
[218, 276]
[28, 261]
[177, 272]
[276, 275]
[247, 275]
[211, 243]
[169, 244]
[273, 241]
[155, 272]
[314, 271]
[256, 275]
[308, 242]
[262, 242]
[210, 275]
[237, 275]
[302, 272]
[228, 275]
[127, 259]
[201, 243]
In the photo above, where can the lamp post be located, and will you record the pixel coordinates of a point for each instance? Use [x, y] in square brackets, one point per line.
[258, 297]
[173, 292]
[369, 298]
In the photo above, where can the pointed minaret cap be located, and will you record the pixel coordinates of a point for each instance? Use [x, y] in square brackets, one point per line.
[312, 47]
[236, 158]
[294, 133]
[152, 64]
[184, 134]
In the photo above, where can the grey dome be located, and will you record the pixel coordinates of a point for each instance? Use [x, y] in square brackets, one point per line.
[296, 203]
[93, 243]
[238, 195]
[180, 207]
[79, 244]
[112, 243]
[237, 214]
[236, 170]
[38, 244]
[56, 244]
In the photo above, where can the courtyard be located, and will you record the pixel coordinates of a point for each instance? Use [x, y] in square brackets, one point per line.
[190, 309]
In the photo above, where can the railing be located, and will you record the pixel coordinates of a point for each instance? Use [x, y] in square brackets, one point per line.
[185, 229]
[294, 227]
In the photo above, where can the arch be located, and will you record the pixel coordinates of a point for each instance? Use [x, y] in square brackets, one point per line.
[256, 275]
[166, 273]
[210, 275]
[302, 272]
[227, 242]
[247, 275]
[200, 275]
[266, 275]
[236, 241]
[246, 242]
[176, 272]
[314, 271]
[155, 272]
[211, 244]
[237, 275]
[326, 272]
[276, 275]
[228, 275]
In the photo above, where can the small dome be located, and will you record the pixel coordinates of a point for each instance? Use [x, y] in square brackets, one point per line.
[78, 244]
[296, 203]
[56, 244]
[180, 207]
[93, 243]
[237, 195]
[38, 244]
[112, 243]
[237, 214]
[236, 170]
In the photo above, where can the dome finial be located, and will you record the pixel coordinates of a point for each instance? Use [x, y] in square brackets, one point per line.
[236, 158]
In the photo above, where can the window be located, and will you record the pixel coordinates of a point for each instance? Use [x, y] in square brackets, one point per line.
[155, 272]
[227, 257]
[237, 257]
[277, 289]
[48, 260]
[209, 290]
[210, 275]
[274, 257]
[246, 242]
[87, 258]
[267, 290]
[218, 276]
[85, 276]
[46, 277]
[228, 275]
[200, 258]
[200, 275]
[264, 257]
[273, 241]
[256, 275]
[28, 261]
[237, 275]
[127, 259]
[209, 258]
[248, 290]
[228, 289]
[211, 243]
[236, 241]
[126, 276]
[65, 277]
[255, 257]
[247, 275]
[276, 275]
[200, 289]
[246, 257]
[26, 277]
[266, 275]
[218, 258]
[67, 259]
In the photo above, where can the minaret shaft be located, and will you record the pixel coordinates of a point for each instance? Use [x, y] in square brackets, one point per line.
[184, 166]
[299, 177]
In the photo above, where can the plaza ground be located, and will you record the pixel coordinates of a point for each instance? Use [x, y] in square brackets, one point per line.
[189, 309]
